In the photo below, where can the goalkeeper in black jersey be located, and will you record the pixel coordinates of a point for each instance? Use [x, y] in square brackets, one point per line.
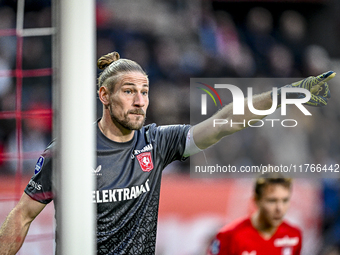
[131, 157]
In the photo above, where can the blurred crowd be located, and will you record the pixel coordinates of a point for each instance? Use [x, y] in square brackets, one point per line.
[175, 41]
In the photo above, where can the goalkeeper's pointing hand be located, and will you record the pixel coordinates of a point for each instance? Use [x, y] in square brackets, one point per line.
[317, 86]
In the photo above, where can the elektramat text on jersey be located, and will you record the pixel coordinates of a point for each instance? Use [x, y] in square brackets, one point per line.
[114, 195]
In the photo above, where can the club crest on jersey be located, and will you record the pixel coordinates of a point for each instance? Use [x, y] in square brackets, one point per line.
[145, 161]
[39, 165]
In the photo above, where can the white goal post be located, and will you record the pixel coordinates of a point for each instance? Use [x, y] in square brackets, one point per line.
[74, 97]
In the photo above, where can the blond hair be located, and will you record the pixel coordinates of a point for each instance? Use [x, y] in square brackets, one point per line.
[113, 66]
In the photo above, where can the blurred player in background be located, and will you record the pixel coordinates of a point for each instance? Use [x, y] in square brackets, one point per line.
[131, 157]
[265, 231]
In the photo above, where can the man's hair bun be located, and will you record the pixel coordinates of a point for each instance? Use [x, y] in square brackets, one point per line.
[107, 59]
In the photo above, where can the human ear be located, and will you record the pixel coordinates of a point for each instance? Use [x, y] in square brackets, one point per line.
[104, 95]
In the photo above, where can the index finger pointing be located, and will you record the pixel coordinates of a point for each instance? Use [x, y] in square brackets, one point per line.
[327, 76]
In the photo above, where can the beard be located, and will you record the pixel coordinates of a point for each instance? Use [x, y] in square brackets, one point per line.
[126, 121]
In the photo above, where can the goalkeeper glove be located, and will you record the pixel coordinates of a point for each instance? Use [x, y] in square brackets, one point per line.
[317, 86]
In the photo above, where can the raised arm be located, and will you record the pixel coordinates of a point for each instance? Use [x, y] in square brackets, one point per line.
[209, 132]
[14, 230]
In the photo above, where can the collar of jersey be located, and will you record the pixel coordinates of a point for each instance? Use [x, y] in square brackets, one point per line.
[110, 142]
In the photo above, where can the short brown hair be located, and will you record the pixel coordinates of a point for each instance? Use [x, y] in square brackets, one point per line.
[270, 179]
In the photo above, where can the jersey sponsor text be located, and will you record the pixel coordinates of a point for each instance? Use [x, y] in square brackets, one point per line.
[286, 241]
[116, 195]
[249, 253]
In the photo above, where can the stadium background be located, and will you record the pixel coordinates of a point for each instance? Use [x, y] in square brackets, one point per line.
[173, 41]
